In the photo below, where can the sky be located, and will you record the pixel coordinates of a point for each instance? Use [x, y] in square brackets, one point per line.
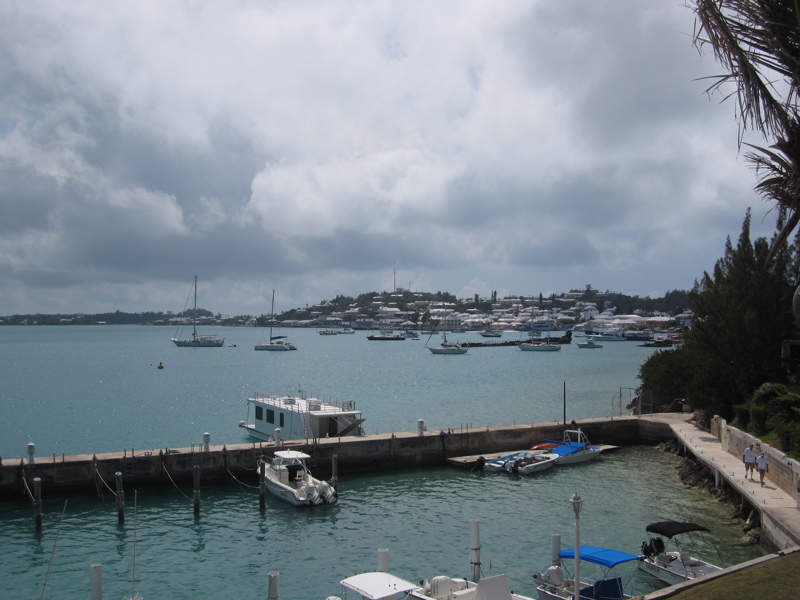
[338, 147]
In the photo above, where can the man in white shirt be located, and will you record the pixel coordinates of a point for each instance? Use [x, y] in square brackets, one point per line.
[749, 459]
[763, 466]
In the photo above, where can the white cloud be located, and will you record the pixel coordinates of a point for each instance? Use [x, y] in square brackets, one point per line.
[520, 146]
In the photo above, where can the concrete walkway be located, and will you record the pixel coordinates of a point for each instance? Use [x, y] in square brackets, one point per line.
[779, 511]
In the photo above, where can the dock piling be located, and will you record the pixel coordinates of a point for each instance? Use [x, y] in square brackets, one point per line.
[274, 586]
[335, 471]
[206, 441]
[37, 503]
[262, 485]
[96, 576]
[120, 498]
[197, 490]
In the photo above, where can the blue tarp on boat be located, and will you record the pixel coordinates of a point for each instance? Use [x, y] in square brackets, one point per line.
[605, 557]
[568, 448]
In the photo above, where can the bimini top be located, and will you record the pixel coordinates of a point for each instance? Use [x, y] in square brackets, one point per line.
[670, 528]
[605, 557]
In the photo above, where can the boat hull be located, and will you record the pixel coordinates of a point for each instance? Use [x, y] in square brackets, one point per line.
[673, 571]
[198, 343]
[540, 347]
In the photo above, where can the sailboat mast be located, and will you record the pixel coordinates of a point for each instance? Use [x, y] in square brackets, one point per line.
[194, 312]
[271, 315]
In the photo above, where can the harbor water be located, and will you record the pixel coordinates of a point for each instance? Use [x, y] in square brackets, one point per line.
[97, 389]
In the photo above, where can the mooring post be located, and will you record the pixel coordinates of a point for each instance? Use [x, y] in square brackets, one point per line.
[206, 441]
[274, 586]
[335, 471]
[197, 490]
[37, 502]
[262, 485]
[120, 498]
[96, 575]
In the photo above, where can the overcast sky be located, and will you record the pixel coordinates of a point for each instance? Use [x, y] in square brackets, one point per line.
[319, 147]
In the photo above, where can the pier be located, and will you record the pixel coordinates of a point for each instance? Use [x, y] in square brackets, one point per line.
[720, 450]
[81, 474]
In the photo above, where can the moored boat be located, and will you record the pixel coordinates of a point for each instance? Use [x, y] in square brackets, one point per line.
[589, 344]
[448, 347]
[277, 343]
[299, 417]
[197, 341]
[555, 583]
[524, 462]
[575, 448]
[540, 347]
[287, 477]
[672, 566]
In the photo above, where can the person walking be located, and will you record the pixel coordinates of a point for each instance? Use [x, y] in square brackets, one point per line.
[763, 467]
[749, 459]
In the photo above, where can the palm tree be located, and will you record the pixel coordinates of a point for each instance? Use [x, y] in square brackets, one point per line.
[758, 43]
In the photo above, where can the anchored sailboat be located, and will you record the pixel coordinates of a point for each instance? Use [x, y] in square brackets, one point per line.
[197, 341]
[276, 342]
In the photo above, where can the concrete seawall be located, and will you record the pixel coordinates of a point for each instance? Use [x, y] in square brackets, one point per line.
[82, 474]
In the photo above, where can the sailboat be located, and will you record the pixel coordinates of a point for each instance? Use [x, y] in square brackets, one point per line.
[276, 342]
[198, 341]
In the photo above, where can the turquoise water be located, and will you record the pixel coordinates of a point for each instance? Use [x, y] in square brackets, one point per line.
[73, 388]
[97, 389]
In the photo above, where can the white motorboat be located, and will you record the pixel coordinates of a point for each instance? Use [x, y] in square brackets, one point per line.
[492, 333]
[575, 448]
[197, 341]
[346, 330]
[382, 585]
[555, 583]
[299, 417]
[327, 332]
[277, 343]
[540, 347]
[448, 347]
[287, 477]
[589, 344]
[672, 566]
[523, 463]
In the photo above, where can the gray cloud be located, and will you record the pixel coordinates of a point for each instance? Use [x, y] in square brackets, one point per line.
[523, 147]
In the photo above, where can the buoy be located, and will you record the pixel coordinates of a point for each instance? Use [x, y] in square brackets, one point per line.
[160, 366]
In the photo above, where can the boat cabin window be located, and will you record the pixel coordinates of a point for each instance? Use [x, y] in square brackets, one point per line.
[270, 416]
[259, 413]
[281, 416]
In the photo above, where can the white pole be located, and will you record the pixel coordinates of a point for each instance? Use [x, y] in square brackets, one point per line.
[96, 576]
[475, 549]
[555, 548]
[577, 502]
[274, 590]
[383, 560]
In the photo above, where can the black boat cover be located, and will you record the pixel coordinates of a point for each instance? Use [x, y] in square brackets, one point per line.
[671, 528]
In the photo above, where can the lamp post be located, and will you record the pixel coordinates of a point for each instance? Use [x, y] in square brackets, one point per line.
[577, 503]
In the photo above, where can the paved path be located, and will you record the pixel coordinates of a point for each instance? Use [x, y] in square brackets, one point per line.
[778, 507]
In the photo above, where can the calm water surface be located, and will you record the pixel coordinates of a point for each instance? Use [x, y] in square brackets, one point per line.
[76, 388]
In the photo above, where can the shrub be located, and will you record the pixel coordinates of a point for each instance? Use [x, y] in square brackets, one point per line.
[741, 414]
[758, 418]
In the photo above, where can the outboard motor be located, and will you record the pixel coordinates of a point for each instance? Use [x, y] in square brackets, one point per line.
[312, 495]
[327, 492]
[552, 576]
[479, 464]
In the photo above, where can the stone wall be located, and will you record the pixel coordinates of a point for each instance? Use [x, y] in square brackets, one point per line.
[783, 471]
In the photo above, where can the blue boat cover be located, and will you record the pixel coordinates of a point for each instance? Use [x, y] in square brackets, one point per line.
[605, 557]
[568, 448]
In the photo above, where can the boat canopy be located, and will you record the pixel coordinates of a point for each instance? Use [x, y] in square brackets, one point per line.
[605, 557]
[378, 585]
[291, 455]
[671, 528]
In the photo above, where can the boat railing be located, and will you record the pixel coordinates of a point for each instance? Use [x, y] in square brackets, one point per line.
[311, 404]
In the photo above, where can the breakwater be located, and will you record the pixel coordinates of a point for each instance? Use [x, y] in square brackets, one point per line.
[83, 474]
